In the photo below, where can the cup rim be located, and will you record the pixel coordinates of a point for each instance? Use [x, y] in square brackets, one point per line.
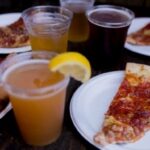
[122, 9]
[34, 93]
[42, 7]
[91, 1]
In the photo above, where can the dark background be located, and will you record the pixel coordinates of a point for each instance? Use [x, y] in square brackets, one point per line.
[10, 138]
[19, 5]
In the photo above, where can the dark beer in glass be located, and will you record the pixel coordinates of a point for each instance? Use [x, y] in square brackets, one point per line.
[108, 31]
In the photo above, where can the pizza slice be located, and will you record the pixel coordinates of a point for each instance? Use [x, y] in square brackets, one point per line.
[14, 35]
[128, 116]
[140, 37]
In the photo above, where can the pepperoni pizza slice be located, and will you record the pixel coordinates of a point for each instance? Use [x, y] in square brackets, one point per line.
[128, 116]
[140, 37]
[14, 35]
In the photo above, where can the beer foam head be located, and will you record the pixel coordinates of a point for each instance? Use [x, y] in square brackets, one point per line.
[110, 16]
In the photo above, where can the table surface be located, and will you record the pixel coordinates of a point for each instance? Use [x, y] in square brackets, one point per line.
[70, 139]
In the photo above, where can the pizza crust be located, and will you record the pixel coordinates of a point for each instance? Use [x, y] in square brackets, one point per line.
[139, 70]
[131, 40]
[140, 37]
[118, 132]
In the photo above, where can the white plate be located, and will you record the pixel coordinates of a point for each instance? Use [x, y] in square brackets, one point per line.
[89, 104]
[137, 24]
[7, 19]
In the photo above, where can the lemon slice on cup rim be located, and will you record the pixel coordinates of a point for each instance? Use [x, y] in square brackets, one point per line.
[71, 64]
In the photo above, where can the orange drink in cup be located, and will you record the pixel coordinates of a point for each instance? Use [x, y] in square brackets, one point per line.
[37, 96]
[36, 84]
[48, 27]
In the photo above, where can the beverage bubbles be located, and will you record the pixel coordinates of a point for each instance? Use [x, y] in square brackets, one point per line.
[79, 29]
[108, 30]
[48, 27]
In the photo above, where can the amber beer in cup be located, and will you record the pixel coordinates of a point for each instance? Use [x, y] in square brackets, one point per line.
[37, 96]
[48, 27]
[79, 29]
[108, 30]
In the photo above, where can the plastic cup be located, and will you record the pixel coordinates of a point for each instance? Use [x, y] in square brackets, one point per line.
[37, 96]
[48, 27]
[108, 30]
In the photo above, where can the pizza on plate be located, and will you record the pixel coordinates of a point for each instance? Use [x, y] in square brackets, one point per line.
[140, 37]
[128, 116]
[14, 35]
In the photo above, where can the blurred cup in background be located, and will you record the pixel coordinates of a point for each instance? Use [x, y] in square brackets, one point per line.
[79, 29]
[108, 30]
[48, 27]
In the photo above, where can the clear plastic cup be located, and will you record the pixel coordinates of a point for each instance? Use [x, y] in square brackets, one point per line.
[108, 30]
[48, 27]
[37, 96]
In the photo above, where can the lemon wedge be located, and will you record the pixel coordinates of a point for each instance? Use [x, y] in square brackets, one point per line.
[71, 64]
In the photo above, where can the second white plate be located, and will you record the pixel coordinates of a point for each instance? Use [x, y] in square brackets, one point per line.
[138, 23]
[89, 104]
[7, 19]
